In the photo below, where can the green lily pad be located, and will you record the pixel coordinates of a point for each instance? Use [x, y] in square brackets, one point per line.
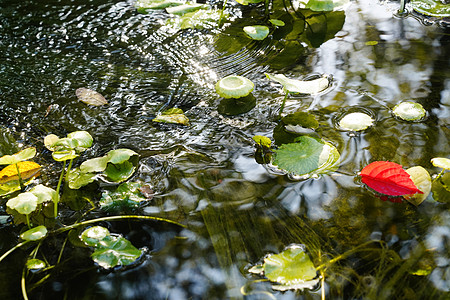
[356, 121]
[35, 264]
[83, 140]
[121, 155]
[257, 32]
[432, 8]
[92, 165]
[308, 156]
[441, 162]
[409, 111]
[23, 155]
[78, 179]
[93, 235]
[234, 86]
[277, 22]
[115, 251]
[127, 195]
[44, 194]
[290, 269]
[34, 234]
[301, 86]
[422, 180]
[24, 203]
[119, 172]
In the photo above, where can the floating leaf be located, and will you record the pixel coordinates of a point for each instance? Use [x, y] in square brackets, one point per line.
[277, 22]
[25, 154]
[422, 181]
[34, 234]
[441, 162]
[356, 121]
[200, 19]
[24, 203]
[185, 8]
[290, 269]
[234, 86]
[78, 179]
[325, 5]
[307, 156]
[247, 2]
[143, 5]
[433, 8]
[27, 169]
[35, 264]
[298, 86]
[127, 195]
[120, 155]
[93, 235]
[388, 178]
[92, 165]
[257, 32]
[262, 140]
[409, 111]
[83, 140]
[115, 251]
[90, 97]
[50, 140]
[177, 118]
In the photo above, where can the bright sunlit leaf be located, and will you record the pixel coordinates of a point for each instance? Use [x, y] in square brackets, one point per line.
[234, 86]
[441, 162]
[356, 121]
[409, 111]
[388, 178]
[433, 8]
[44, 194]
[93, 235]
[34, 234]
[262, 140]
[257, 32]
[422, 180]
[185, 8]
[90, 97]
[24, 203]
[25, 154]
[27, 169]
[301, 86]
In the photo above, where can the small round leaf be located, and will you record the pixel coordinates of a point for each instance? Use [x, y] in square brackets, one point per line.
[234, 87]
[34, 234]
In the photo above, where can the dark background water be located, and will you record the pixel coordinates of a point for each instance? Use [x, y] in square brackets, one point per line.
[205, 175]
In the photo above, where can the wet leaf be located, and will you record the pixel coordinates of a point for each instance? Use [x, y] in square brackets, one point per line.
[83, 140]
[92, 165]
[257, 32]
[172, 119]
[64, 155]
[24, 203]
[127, 195]
[200, 19]
[433, 8]
[298, 86]
[290, 269]
[356, 121]
[185, 8]
[409, 111]
[25, 154]
[115, 251]
[388, 178]
[234, 86]
[93, 235]
[119, 172]
[422, 181]
[90, 97]
[27, 169]
[307, 156]
[120, 155]
[34, 234]
[50, 140]
[35, 264]
[78, 179]
[441, 162]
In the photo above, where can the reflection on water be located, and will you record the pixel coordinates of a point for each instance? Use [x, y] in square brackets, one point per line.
[205, 175]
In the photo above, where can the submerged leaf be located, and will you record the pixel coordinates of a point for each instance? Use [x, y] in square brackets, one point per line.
[34, 234]
[422, 180]
[115, 251]
[90, 97]
[388, 178]
[127, 195]
[172, 119]
[27, 169]
[298, 86]
[308, 156]
[93, 235]
[257, 32]
[441, 188]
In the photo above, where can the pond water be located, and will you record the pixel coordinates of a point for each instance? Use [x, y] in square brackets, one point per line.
[205, 175]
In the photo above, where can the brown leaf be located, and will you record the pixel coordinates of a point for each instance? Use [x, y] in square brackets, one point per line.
[90, 97]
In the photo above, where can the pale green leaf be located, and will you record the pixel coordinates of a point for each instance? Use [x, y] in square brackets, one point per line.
[35, 264]
[34, 234]
[422, 181]
[23, 155]
[92, 165]
[299, 86]
[356, 121]
[409, 111]
[44, 194]
[277, 22]
[234, 86]
[78, 179]
[120, 155]
[441, 162]
[257, 32]
[185, 8]
[24, 203]
[93, 235]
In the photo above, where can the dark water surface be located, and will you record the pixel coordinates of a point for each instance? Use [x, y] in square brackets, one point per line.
[205, 175]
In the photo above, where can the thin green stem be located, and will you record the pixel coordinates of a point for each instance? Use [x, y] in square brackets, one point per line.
[28, 221]
[439, 175]
[114, 218]
[12, 250]
[282, 104]
[221, 13]
[57, 190]
[68, 169]
[23, 283]
[20, 177]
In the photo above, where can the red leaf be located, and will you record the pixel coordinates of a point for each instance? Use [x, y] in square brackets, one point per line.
[388, 178]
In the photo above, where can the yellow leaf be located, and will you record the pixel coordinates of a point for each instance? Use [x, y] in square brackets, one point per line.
[27, 170]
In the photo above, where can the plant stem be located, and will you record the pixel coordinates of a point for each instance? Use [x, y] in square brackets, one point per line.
[55, 202]
[439, 175]
[12, 249]
[20, 177]
[28, 221]
[221, 13]
[282, 104]
[23, 284]
[68, 170]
